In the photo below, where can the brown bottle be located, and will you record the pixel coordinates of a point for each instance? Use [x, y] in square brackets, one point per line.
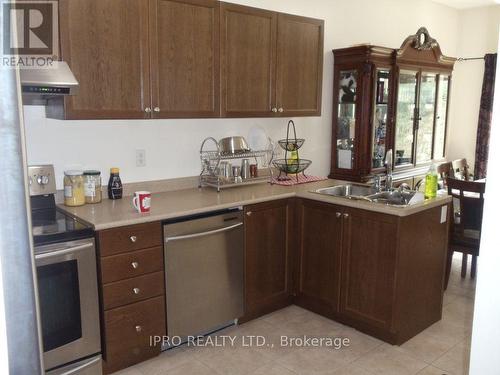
[115, 187]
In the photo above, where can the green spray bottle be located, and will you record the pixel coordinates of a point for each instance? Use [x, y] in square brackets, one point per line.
[431, 182]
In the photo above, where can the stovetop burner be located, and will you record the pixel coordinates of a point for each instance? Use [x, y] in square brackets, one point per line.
[51, 225]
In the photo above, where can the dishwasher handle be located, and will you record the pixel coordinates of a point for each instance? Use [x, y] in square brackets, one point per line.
[203, 234]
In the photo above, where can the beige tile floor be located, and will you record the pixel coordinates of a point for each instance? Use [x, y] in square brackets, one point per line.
[441, 349]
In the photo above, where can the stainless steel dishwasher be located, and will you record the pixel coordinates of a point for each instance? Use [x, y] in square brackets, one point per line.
[204, 273]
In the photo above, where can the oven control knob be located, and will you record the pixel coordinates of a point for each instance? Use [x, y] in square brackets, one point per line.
[138, 328]
[135, 265]
[136, 290]
[43, 180]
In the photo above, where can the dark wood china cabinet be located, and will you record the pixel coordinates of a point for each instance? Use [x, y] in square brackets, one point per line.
[389, 99]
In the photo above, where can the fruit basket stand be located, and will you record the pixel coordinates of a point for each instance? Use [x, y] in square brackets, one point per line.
[211, 158]
[293, 165]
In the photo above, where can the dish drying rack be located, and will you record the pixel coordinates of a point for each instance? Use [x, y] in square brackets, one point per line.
[211, 159]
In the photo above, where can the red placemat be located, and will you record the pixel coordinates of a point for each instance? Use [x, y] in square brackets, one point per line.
[301, 180]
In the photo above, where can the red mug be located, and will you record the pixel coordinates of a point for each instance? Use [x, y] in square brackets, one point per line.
[142, 201]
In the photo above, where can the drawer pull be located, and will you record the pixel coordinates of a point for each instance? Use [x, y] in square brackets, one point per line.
[133, 239]
[338, 214]
[138, 328]
[135, 265]
[136, 290]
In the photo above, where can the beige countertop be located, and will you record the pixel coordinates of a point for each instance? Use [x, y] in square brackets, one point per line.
[173, 204]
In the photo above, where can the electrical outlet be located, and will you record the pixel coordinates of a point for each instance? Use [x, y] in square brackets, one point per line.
[140, 158]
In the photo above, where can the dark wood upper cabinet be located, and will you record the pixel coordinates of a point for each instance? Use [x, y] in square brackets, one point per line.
[271, 63]
[299, 65]
[319, 249]
[248, 61]
[188, 59]
[268, 257]
[106, 45]
[184, 58]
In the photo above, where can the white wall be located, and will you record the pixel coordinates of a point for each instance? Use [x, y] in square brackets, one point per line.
[478, 35]
[172, 145]
[486, 327]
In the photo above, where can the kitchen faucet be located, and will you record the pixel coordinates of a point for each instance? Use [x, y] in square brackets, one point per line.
[388, 165]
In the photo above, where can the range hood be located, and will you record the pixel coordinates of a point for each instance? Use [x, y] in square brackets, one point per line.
[41, 84]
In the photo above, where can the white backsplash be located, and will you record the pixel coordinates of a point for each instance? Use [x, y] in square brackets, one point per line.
[171, 146]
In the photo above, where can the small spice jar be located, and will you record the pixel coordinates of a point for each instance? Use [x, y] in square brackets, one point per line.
[74, 194]
[92, 186]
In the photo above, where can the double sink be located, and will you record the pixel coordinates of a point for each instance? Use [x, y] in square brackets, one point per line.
[399, 198]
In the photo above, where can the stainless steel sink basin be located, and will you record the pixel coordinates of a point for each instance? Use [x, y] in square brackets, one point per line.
[368, 193]
[352, 191]
[396, 197]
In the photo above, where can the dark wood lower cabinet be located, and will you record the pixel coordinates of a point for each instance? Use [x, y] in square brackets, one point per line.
[381, 274]
[368, 269]
[268, 257]
[318, 256]
[128, 330]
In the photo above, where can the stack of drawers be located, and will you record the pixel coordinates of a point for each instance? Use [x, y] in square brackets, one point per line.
[133, 293]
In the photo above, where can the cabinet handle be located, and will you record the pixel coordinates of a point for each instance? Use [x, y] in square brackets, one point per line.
[135, 265]
[338, 214]
[147, 110]
[156, 109]
[136, 290]
[138, 328]
[274, 109]
[280, 110]
[249, 213]
[133, 239]
[346, 216]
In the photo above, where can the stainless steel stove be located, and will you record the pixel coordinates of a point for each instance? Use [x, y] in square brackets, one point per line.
[67, 282]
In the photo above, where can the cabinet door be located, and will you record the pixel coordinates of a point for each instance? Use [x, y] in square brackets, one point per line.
[319, 249]
[185, 58]
[346, 115]
[368, 268]
[405, 117]
[299, 66]
[105, 43]
[267, 257]
[248, 61]
[425, 122]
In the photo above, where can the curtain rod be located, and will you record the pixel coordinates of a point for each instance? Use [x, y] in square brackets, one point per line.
[469, 58]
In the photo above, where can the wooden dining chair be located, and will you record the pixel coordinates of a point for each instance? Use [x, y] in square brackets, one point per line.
[465, 222]
[461, 170]
[444, 171]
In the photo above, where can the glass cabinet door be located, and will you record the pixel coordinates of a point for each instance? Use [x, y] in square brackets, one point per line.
[346, 120]
[379, 130]
[404, 132]
[427, 106]
[441, 113]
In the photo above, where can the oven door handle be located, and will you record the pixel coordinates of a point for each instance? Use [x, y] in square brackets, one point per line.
[63, 251]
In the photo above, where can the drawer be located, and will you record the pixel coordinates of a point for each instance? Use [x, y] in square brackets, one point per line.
[127, 332]
[129, 238]
[132, 290]
[135, 263]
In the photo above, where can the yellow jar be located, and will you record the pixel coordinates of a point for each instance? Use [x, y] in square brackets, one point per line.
[74, 193]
